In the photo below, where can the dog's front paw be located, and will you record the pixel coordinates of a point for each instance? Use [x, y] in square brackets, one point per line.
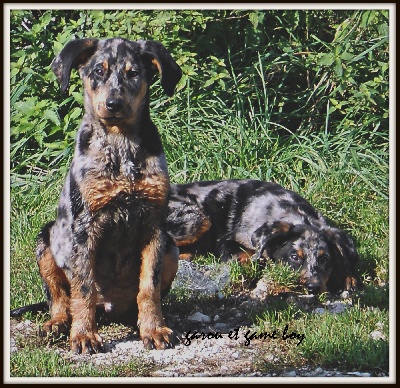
[57, 326]
[352, 283]
[157, 338]
[89, 343]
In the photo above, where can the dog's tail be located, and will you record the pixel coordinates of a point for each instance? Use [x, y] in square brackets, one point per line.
[31, 308]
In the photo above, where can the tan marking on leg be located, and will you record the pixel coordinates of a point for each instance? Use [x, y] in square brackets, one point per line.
[186, 256]
[84, 335]
[188, 240]
[59, 288]
[351, 283]
[169, 269]
[151, 321]
[245, 256]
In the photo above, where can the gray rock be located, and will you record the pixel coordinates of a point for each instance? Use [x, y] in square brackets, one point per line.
[209, 280]
[199, 317]
[260, 292]
[13, 346]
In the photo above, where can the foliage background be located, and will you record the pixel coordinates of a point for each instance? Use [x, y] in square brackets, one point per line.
[285, 72]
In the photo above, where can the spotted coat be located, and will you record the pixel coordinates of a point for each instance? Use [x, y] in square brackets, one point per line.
[108, 245]
[251, 218]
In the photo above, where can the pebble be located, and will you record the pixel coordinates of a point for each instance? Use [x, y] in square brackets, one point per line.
[260, 292]
[199, 317]
[344, 294]
[338, 307]
[359, 374]
[13, 346]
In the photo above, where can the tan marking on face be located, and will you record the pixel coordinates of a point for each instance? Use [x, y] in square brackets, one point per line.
[128, 66]
[281, 227]
[300, 253]
[133, 104]
[321, 252]
[158, 65]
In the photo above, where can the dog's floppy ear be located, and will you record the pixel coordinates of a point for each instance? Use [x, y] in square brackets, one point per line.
[343, 273]
[169, 70]
[74, 54]
[271, 237]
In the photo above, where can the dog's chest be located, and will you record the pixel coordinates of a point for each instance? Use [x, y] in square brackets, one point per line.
[116, 171]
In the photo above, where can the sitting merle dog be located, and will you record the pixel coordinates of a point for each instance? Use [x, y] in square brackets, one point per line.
[250, 218]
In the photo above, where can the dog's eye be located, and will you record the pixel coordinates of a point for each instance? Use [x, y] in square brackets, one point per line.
[324, 258]
[99, 71]
[132, 73]
[294, 257]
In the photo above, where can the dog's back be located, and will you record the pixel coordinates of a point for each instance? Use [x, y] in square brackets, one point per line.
[233, 211]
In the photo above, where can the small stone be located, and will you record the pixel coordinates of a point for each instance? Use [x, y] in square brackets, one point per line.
[344, 294]
[319, 310]
[13, 347]
[290, 374]
[360, 374]
[338, 307]
[260, 292]
[217, 318]
[199, 317]
[221, 327]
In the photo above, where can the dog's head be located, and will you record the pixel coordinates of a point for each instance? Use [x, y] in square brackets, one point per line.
[116, 74]
[324, 257]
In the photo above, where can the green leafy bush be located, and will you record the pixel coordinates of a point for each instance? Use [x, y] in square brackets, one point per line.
[294, 71]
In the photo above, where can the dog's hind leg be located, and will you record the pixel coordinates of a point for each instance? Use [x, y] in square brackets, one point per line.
[169, 266]
[56, 285]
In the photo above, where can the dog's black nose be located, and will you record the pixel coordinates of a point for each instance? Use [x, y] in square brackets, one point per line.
[114, 105]
[313, 288]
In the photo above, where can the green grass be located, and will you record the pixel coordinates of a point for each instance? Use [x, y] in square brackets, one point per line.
[340, 341]
[40, 362]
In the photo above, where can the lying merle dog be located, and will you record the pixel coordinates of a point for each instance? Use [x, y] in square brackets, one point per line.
[245, 218]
